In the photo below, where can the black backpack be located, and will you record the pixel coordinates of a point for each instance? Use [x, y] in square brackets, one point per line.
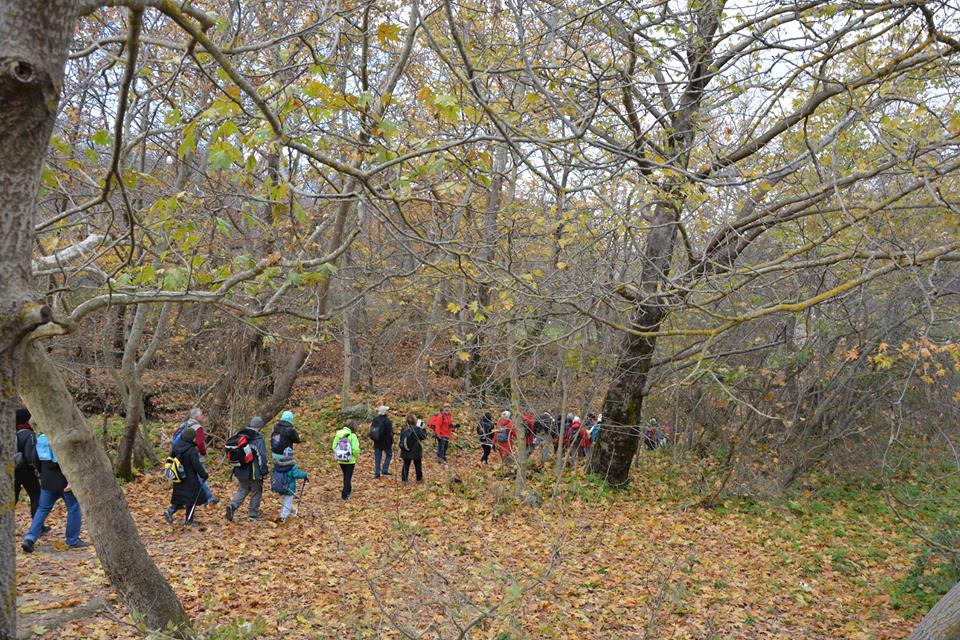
[239, 450]
[375, 430]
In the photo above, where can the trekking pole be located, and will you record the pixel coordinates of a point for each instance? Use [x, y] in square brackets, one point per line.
[193, 507]
[296, 509]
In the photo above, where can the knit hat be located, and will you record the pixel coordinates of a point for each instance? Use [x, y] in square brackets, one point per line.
[23, 415]
[382, 409]
[189, 434]
[287, 416]
[256, 423]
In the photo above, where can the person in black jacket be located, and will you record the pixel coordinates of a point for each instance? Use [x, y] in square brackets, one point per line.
[381, 432]
[250, 476]
[26, 475]
[188, 493]
[53, 486]
[284, 435]
[410, 448]
[485, 434]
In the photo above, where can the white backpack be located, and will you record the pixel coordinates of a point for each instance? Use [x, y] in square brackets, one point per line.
[343, 451]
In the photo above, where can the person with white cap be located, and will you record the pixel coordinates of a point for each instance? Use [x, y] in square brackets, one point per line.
[381, 432]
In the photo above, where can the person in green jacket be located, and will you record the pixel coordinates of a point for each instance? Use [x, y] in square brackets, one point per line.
[346, 450]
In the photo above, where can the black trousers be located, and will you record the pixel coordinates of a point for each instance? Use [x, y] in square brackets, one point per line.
[347, 470]
[487, 448]
[27, 479]
[405, 473]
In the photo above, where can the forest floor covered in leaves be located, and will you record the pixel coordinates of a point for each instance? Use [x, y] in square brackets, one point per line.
[457, 556]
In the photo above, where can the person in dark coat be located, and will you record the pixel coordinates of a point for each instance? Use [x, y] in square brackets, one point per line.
[53, 486]
[485, 435]
[411, 449]
[284, 435]
[382, 427]
[26, 475]
[250, 476]
[189, 492]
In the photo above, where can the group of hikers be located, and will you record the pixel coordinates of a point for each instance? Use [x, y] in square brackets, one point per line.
[247, 453]
[551, 435]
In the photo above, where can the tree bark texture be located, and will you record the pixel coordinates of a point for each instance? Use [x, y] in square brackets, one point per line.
[138, 581]
[942, 622]
[34, 38]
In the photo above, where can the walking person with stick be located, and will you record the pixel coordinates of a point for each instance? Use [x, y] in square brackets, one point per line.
[188, 490]
[284, 482]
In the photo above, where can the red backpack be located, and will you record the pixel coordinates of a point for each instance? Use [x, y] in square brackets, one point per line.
[239, 451]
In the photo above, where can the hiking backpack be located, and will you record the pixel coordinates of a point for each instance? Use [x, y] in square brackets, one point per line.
[239, 450]
[280, 480]
[375, 430]
[503, 435]
[276, 440]
[404, 442]
[173, 470]
[343, 451]
[178, 432]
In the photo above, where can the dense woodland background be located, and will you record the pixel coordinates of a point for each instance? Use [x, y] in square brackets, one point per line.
[740, 218]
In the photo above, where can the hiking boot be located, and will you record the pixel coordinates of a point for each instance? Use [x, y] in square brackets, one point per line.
[230, 510]
[80, 544]
[168, 516]
[387, 473]
[45, 529]
[255, 517]
[213, 501]
[376, 477]
[27, 546]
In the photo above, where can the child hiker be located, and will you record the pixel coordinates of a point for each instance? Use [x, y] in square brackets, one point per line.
[284, 481]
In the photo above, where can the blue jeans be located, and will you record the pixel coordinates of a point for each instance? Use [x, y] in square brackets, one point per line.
[442, 444]
[47, 500]
[377, 453]
[207, 491]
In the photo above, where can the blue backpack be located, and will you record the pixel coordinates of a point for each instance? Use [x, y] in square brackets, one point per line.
[280, 480]
[44, 450]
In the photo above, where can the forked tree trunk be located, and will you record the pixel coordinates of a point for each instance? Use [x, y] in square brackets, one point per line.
[942, 622]
[138, 581]
[34, 38]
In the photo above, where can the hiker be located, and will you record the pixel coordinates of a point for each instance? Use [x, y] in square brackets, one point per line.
[485, 434]
[188, 493]
[543, 436]
[381, 432]
[442, 425]
[411, 449]
[576, 438]
[505, 435]
[247, 452]
[25, 475]
[284, 481]
[591, 428]
[194, 420]
[53, 486]
[346, 450]
[527, 419]
[650, 439]
[283, 436]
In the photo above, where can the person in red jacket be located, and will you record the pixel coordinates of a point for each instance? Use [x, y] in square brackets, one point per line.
[504, 435]
[576, 438]
[527, 418]
[442, 425]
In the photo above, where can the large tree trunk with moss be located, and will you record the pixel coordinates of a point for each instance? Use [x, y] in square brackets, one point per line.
[34, 38]
[943, 620]
[131, 571]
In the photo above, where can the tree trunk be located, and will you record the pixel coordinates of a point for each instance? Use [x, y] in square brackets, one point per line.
[33, 47]
[138, 582]
[618, 440]
[133, 413]
[942, 622]
[283, 385]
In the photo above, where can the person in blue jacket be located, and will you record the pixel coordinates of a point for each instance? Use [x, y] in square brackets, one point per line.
[250, 476]
[284, 481]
